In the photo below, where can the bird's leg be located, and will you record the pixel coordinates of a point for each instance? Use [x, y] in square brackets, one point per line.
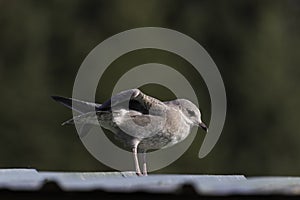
[136, 161]
[144, 164]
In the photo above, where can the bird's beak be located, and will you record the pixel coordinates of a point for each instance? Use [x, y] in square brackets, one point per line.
[203, 126]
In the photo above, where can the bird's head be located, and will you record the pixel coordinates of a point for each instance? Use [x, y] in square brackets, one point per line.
[192, 113]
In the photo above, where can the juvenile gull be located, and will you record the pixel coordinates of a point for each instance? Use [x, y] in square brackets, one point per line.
[139, 121]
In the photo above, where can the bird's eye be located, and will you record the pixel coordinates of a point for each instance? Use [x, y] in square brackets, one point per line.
[191, 113]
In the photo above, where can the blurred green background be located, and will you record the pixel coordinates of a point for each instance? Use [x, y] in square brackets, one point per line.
[255, 44]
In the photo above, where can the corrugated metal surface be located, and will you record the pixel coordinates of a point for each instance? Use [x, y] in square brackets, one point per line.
[128, 182]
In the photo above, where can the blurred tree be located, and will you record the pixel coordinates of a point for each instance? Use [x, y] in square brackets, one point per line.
[255, 45]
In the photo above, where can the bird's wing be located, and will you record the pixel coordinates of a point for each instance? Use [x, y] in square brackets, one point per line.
[87, 120]
[139, 125]
[77, 105]
[133, 99]
[132, 122]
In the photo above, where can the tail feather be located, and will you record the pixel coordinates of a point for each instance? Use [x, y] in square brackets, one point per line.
[86, 117]
[68, 122]
[84, 127]
[77, 105]
[86, 122]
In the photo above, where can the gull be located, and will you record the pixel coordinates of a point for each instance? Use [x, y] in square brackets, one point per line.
[139, 121]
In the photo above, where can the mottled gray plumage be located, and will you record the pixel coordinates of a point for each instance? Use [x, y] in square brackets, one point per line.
[138, 120]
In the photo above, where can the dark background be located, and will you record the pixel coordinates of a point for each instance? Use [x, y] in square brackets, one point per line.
[255, 45]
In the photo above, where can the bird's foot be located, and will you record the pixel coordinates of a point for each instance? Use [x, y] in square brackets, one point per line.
[145, 174]
[139, 174]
